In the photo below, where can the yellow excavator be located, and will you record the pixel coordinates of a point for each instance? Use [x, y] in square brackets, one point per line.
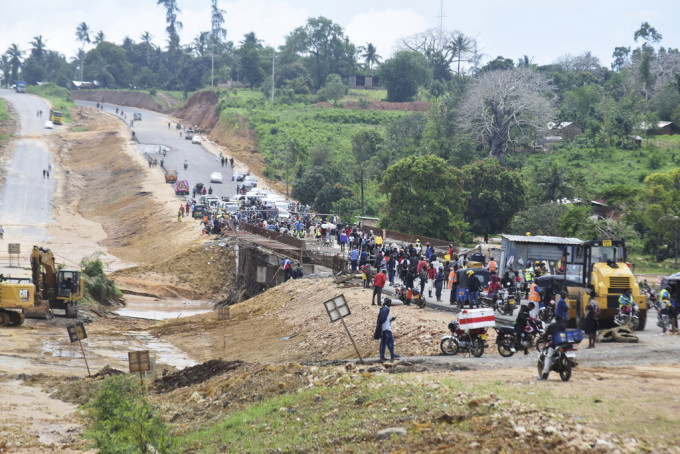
[51, 291]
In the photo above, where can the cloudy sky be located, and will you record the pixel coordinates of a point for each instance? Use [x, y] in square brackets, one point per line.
[541, 29]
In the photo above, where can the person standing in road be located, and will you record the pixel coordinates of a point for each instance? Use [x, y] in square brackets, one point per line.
[383, 331]
[378, 285]
[354, 258]
[473, 289]
[561, 308]
[439, 283]
[592, 311]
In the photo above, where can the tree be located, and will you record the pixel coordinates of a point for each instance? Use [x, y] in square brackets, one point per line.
[499, 64]
[441, 48]
[333, 89]
[307, 186]
[249, 60]
[553, 183]
[217, 34]
[541, 219]
[99, 37]
[506, 107]
[200, 44]
[662, 195]
[14, 56]
[82, 35]
[328, 195]
[370, 56]
[38, 48]
[461, 45]
[171, 11]
[620, 56]
[324, 46]
[364, 145]
[424, 196]
[403, 74]
[496, 194]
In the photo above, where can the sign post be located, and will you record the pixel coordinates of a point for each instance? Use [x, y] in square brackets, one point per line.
[338, 309]
[223, 314]
[14, 249]
[139, 362]
[76, 333]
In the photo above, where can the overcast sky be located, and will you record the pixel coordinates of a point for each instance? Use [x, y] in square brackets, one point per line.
[541, 29]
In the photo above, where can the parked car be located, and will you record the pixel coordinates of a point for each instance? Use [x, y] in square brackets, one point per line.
[137, 116]
[199, 210]
[238, 176]
[196, 140]
[216, 177]
[49, 125]
[189, 134]
[250, 179]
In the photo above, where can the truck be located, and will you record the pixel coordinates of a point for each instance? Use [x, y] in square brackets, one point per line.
[21, 86]
[170, 176]
[48, 291]
[181, 187]
[56, 116]
[605, 271]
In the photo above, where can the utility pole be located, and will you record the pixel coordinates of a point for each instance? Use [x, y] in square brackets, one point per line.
[274, 88]
[441, 17]
[212, 60]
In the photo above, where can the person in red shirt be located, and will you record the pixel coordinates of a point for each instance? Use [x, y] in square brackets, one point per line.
[378, 284]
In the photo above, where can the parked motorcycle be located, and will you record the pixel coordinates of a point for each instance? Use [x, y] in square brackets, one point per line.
[564, 356]
[628, 316]
[506, 302]
[473, 341]
[652, 298]
[533, 332]
[409, 296]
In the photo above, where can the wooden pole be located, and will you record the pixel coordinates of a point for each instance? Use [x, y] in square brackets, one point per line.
[86, 365]
[361, 360]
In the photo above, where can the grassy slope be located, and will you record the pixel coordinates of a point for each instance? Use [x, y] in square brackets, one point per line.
[4, 116]
[59, 97]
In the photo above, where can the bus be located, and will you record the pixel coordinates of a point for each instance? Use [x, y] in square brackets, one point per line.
[56, 116]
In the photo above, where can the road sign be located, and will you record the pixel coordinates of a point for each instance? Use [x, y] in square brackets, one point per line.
[76, 332]
[337, 308]
[14, 248]
[139, 361]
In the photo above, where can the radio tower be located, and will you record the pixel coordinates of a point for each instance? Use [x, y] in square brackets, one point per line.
[441, 17]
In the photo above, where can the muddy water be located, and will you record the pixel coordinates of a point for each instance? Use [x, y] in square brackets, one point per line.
[154, 309]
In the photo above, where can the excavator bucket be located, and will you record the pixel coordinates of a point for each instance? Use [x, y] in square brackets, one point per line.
[41, 310]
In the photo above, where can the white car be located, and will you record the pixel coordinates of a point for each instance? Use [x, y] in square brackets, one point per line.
[49, 125]
[216, 177]
[196, 140]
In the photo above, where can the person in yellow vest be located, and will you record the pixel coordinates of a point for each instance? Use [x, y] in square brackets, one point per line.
[493, 267]
[379, 240]
[534, 296]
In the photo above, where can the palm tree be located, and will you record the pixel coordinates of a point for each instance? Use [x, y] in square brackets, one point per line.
[554, 184]
[38, 50]
[99, 37]
[171, 11]
[460, 45]
[525, 61]
[370, 56]
[82, 35]
[200, 44]
[14, 56]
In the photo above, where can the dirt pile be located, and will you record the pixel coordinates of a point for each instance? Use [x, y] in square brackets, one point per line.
[199, 110]
[289, 323]
[201, 271]
[194, 375]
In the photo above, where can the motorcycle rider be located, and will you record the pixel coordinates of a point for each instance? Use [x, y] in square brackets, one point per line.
[186, 164]
[557, 327]
[626, 302]
[473, 288]
[520, 323]
[667, 306]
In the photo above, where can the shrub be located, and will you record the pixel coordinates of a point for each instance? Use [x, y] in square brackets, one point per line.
[123, 421]
[98, 286]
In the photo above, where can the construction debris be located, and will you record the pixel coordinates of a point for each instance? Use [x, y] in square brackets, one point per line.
[618, 334]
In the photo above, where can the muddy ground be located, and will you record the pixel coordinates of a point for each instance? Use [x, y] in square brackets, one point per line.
[279, 342]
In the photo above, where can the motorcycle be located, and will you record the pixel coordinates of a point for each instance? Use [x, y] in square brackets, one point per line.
[628, 316]
[652, 298]
[547, 313]
[564, 358]
[473, 341]
[506, 303]
[409, 296]
[505, 337]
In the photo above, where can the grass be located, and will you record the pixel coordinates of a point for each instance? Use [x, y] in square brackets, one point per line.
[436, 410]
[648, 265]
[4, 113]
[59, 97]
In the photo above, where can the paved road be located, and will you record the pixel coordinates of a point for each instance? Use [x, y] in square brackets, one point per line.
[26, 197]
[153, 132]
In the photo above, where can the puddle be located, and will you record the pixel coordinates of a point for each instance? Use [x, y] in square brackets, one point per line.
[153, 309]
[164, 352]
[152, 149]
[60, 350]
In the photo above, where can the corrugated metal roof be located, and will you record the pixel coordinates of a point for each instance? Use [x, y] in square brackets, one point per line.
[541, 239]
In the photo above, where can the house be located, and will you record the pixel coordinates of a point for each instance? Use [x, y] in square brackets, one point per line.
[663, 128]
[565, 129]
[365, 82]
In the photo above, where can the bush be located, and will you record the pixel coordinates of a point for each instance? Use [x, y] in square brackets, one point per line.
[98, 286]
[123, 421]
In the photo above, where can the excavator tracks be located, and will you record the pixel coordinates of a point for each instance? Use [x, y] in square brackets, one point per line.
[11, 318]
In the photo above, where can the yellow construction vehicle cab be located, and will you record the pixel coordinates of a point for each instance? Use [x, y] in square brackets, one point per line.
[57, 289]
[15, 296]
[606, 272]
